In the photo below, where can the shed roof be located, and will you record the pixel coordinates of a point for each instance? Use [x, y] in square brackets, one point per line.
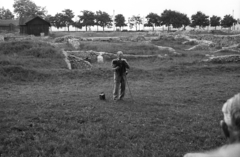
[8, 22]
[25, 20]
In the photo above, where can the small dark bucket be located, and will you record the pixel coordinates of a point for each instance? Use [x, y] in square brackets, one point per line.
[102, 96]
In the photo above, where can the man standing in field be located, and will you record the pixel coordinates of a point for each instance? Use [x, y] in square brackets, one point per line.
[119, 66]
[231, 128]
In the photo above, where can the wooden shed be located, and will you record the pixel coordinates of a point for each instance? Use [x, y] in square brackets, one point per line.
[8, 25]
[33, 26]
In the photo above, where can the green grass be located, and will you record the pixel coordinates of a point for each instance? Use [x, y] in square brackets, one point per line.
[48, 110]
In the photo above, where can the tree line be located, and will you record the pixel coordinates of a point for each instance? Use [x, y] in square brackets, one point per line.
[87, 19]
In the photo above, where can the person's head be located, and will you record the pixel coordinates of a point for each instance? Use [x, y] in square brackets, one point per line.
[119, 54]
[231, 122]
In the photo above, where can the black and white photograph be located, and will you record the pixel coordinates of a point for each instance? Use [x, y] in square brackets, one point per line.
[102, 78]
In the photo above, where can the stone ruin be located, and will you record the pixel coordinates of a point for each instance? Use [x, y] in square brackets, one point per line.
[223, 59]
[74, 42]
[219, 40]
[234, 48]
[74, 62]
[78, 63]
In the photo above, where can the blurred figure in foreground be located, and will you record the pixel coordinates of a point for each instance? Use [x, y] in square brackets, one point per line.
[231, 129]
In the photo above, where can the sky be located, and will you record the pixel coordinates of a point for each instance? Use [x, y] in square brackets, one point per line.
[138, 7]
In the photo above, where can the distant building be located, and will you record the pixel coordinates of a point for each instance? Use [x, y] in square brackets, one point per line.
[9, 25]
[33, 26]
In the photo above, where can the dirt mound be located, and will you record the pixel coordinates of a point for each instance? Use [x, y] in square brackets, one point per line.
[200, 47]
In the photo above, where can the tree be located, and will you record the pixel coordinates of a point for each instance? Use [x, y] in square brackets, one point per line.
[174, 18]
[103, 19]
[27, 8]
[87, 19]
[6, 14]
[49, 18]
[77, 24]
[58, 21]
[167, 18]
[97, 18]
[120, 21]
[185, 21]
[135, 20]
[153, 20]
[200, 19]
[67, 17]
[228, 21]
[215, 21]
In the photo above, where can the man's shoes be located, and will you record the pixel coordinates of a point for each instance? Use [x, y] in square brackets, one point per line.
[114, 99]
[117, 100]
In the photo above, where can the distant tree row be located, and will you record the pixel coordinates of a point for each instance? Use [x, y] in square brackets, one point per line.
[27, 8]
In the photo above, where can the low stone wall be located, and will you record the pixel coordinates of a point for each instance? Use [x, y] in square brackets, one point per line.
[234, 48]
[74, 62]
[200, 47]
[139, 38]
[219, 40]
[224, 59]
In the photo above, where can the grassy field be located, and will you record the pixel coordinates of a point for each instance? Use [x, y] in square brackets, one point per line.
[47, 110]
